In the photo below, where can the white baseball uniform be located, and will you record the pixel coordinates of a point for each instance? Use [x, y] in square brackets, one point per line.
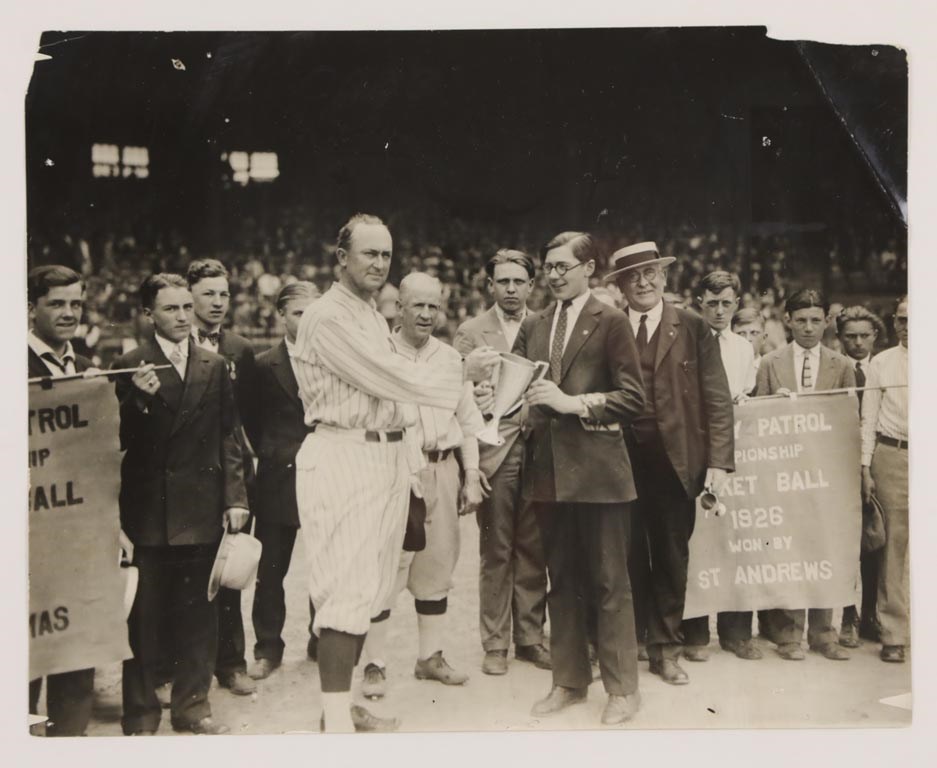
[352, 475]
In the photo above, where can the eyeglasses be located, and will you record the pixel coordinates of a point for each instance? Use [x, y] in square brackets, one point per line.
[648, 273]
[561, 267]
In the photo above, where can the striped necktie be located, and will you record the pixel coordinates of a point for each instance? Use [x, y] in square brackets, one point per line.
[559, 341]
[806, 375]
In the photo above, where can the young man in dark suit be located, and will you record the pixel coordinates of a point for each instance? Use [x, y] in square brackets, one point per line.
[681, 443]
[182, 480]
[512, 576]
[281, 429]
[55, 299]
[578, 476]
[211, 299]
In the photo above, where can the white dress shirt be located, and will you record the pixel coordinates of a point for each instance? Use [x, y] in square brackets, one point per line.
[510, 326]
[204, 343]
[799, 354]
[572, 315]
[885, 411]
[290, 351]
[170, 347]
[738, 356]
[63, 366]
[653, 319]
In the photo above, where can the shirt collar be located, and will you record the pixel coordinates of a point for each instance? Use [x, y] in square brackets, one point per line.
[290, 346]
[41, 348]
[400, 341]
[653, 314]
[578, 303]
[337, 285]
[799, 351]
[505, 319]
[168, 346]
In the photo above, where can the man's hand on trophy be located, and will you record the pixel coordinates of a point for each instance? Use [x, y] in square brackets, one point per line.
[484, 394]
[481, 363]
[545, 392]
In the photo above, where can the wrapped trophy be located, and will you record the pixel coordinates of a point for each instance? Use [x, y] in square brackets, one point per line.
[515, 374]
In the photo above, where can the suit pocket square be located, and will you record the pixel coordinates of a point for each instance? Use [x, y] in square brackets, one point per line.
[591, 425]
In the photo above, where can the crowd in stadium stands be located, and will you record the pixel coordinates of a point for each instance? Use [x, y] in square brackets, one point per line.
[263, 260]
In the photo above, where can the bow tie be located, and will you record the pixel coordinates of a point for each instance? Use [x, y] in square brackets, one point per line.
[214, 338]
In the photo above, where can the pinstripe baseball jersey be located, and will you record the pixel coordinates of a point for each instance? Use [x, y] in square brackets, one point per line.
[350, 376]
[440, 429]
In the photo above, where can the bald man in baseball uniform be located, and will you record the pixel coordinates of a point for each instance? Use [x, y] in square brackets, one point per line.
[439, 433]
[353, 469]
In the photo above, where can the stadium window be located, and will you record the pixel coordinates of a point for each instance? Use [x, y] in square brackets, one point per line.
[111, 161]
[253, 166]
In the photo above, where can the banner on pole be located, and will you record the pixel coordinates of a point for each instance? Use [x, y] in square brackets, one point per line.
[789, 537]
[76, 614]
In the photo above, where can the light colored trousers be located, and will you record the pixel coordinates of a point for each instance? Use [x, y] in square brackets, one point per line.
[890, 473]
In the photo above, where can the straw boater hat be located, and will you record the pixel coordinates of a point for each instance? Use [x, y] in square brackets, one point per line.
[235, 563]
[635, 256]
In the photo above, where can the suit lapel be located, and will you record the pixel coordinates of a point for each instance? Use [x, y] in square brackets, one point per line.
[196, 380]
[538, 349]
[667, 333]
[283, 373]
[826, 377]
[492, 332]
[787, 376]
[170, 385]
[585, 324]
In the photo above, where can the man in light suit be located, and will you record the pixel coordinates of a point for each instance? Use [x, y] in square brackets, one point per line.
[681, 443]
[182, 481]
[578, 476]
[512, 578]
[211, 299]
[804, 365]
[55, 297]
[280, 432]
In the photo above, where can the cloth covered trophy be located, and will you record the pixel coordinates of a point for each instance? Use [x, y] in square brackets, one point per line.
[515, 374]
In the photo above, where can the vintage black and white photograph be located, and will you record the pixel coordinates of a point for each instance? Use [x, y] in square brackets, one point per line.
[448, 380]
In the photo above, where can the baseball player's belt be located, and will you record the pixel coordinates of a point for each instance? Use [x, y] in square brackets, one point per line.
[370, 435]
[436, 456]
[892, 441]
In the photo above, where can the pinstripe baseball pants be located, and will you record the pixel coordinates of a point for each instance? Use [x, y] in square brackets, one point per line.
[352, 497]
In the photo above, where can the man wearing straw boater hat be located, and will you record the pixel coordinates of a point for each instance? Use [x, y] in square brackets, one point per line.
[578, 477]
[681, 443]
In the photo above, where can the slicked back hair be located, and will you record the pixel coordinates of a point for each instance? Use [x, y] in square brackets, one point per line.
[717, 282]
[348, 229]
[747, 316]
[40, 280]
[508, 256]
[297, 290]
[806, 298]
[582, 245]
[153, 284]
[860, 313]
[202, 268]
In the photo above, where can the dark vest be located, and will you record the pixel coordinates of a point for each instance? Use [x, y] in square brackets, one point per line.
[645, 426]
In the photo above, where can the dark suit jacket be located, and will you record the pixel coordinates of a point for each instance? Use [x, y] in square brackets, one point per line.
[280, 433]
[777, 370]
[485, 330]
[693, 402]
[182, 464]
[37, 366]
[242, 367]
[565, 461]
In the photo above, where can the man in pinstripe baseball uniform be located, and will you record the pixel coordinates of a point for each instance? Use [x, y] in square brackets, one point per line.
[439, 432]
[353, 469]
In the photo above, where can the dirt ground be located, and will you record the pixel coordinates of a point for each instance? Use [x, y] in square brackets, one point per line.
[724, 692]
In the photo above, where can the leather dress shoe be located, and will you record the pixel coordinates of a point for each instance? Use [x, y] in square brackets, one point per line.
[437, 668]
[831, 651]
[312, 648]
[204, 727]
[670, 671]
[495, 663]
[870, 630]
[620, 709]
[696, 653]
[237, 682]
[365, 722]
[558, 699]
[849, 636]
[536, 654]
[262, 669]
[892, 653]
[791, 652]
[744, 649]
[374, 684]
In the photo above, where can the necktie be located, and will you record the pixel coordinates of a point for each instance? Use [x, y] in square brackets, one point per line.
[642, 334]
[559, 340]
[806, 375]
[62, 365]
[178, 361]
[860, 375]
[214, 338]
